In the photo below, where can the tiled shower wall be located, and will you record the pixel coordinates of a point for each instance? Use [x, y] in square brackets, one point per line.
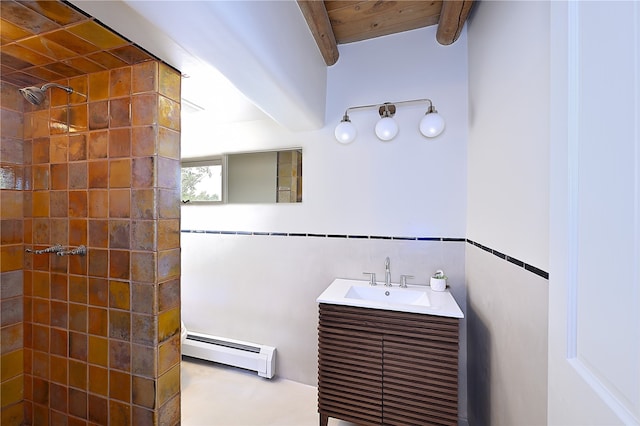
[101, 331]
[11, 256]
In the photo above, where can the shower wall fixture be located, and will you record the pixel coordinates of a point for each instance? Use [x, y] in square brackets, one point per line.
[36, 95]
[59, 250]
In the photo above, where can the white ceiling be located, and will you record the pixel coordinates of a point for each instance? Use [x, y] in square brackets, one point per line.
[239, 59]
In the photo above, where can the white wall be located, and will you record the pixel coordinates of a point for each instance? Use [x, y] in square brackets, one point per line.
[508, 209]
[263, 288]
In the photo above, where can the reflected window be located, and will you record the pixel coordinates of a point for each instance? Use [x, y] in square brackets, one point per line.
[201, 181]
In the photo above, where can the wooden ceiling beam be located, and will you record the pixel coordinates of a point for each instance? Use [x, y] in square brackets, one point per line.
[315, 14]
[452, 18]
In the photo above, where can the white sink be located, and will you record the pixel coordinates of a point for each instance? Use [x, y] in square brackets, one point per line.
[418, 299]
[403, 296]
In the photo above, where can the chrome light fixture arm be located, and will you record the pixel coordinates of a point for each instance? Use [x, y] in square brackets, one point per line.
[431, 125]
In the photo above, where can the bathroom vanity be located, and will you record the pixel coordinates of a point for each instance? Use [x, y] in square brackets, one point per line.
[387, 355]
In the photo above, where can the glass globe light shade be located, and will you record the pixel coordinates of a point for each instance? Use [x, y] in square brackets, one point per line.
[431, 125]
[345, 132]
[386, 129]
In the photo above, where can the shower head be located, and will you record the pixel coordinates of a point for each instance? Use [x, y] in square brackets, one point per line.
[35, 95]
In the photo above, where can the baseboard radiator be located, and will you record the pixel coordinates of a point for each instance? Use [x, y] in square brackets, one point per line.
[249, 356]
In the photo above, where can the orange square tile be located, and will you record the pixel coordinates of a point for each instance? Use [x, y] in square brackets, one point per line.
[59, 204]
[39, 124]
[40, 312]
[120, 84]
[59, 314]
[99, 86]
[41, 236]
[58, 402]
[59, 120]
[58, 148]
[169, 82]
[59, 173]
[58, 369]
[168, 324]
[78, 147]
[119, 112]
[144, 109]
[78, 232]
[143, 235]
[119, 386]
[78, 175]
[78, 403]
[119, 203]
[40, 150]
[144, 329]
[98, 321]
[40, 284]
[40, 176]
[168, 234]
[168, 264]
[11, 258]
[99, 233]
[11, 364]
[143, 266]
[119, 325]
[119, 295]
[98, 350]
[77, 350]
[40, 204]
[169, 204]
[78, 265]
[119, 234]
[40, 364]
[143, 204]
[59, 345]
[143, 172]
[78, 118]
[80, 87]
[98, 144]
[98, 115]
[78, 204]
[168, 384]
[144, 392]
[99, 410]
[12, 391]
[119, 264]
[78, 288]
[145, 77]
[98, 265]
[98, 203]
[168, 113]
[59, 287]
[11, 204]
[119, 412]
[120, 355]
[143, 141]
[98, 380]
[168, 143]
[120, 173]
[98, 174]
[40, 338]
[120, 142]
[78, 318]
[144, 300]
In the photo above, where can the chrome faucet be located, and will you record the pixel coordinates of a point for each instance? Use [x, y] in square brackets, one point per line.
[387, 272]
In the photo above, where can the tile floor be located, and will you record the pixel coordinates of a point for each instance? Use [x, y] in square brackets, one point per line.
[216, 395]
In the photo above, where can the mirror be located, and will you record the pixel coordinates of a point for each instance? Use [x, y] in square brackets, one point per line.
[244, 178]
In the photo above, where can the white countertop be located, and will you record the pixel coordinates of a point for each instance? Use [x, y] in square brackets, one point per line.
[440, 303]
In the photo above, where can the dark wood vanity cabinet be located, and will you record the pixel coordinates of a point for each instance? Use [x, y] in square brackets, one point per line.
[378, 367]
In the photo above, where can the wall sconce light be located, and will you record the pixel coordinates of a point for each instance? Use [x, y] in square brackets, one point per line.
[431, 125]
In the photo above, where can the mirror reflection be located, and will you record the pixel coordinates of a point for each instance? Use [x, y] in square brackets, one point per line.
[251, 177]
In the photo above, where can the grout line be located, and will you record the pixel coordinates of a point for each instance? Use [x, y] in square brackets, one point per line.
[512, 260]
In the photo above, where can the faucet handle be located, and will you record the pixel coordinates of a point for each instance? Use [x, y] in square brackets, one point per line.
[403, 280]
[372, 277]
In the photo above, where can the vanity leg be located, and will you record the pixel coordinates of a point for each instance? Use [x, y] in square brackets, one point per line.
[324, 419]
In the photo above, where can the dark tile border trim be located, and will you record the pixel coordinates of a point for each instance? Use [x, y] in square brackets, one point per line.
[539, 272]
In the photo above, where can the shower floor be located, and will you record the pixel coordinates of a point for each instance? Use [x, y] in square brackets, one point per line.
[216, 395]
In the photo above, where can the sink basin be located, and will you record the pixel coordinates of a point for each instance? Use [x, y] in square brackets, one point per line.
[397, 295]
[419, 299]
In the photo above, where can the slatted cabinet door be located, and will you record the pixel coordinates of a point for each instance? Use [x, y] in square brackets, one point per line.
[349, 372]
[380, 367]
